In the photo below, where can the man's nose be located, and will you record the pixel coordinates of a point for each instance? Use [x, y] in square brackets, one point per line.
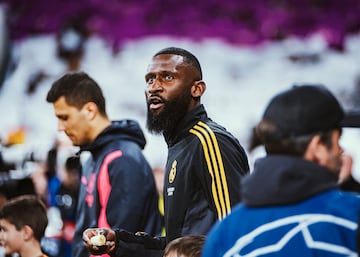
[154, 87]
[61, 126]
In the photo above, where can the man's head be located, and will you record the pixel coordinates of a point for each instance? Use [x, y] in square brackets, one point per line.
[79, 105]
[174, 87]
[305, 121]
[186, 246]
[23, 217]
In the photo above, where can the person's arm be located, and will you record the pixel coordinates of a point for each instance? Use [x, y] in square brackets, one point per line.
[121, 194]
[149, 242]
[222, 173]
[120, 242]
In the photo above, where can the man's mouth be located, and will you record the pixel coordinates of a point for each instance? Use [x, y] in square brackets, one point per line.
[155, 102]
[70, 136]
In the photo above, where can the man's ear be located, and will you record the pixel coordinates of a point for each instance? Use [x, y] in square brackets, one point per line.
[90, 110]
[198, 88]
[27, 232]
[316, 151]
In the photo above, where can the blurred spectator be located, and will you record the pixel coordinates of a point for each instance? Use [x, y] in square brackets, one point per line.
[23, 221]
[39, 179]
[66, 196]
[70, 43]
[186, 246]
[292, 204]
[66, 201]
[70, 40]
[117, 185]
[4, 165]
[61, 196]
[62, 210]
[346, 180]
[52, 176]
[17, 178]
[5, 44]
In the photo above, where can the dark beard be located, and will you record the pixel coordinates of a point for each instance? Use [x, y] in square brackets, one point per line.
[168, 119]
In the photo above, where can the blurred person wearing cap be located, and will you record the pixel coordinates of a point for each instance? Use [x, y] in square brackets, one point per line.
[292, 204]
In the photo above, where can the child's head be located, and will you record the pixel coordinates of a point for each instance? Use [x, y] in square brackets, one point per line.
[25, 212]
[186, 246]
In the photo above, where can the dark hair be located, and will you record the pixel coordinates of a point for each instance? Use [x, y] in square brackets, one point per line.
[78, 88]
[80, 33]
[187, 246]
[293, 145]
[73, 164]
[27, 210]
[189, 58]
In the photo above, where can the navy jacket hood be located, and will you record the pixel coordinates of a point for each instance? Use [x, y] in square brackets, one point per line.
[279, 180]
[122, 129]
[198, 113]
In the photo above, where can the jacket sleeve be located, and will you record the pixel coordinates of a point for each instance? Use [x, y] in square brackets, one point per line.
[139, 245]
[122, 191]
[222, 163]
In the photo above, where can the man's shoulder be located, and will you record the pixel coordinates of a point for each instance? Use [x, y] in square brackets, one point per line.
[122, 152]
[124, 145]
[211, 127]
[349, 198]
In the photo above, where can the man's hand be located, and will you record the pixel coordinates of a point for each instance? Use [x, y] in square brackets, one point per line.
[346, 168]
[93, 247]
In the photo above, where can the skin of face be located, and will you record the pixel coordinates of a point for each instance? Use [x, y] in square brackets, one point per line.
[333, 159]
[10, 238]
[167, 76]
[325, 156]
[72, 121]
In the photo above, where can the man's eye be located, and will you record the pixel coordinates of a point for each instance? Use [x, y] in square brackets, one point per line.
[63, 118]
[150, 80]
[169, 77]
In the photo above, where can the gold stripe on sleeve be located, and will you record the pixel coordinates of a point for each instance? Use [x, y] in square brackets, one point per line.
[215, 166]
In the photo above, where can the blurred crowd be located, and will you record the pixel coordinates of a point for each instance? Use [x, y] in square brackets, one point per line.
[59, 192]
[55, 175]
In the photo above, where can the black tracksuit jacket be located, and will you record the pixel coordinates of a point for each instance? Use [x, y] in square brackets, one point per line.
[204, 168]
[203, 175]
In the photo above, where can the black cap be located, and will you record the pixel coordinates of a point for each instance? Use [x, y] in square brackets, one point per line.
[307, 109]
[351, 119]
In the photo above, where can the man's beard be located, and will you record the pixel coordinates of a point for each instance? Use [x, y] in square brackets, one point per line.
[335, 163]
[168, 119]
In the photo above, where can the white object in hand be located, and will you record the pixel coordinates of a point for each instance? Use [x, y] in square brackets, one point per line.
[98, 240]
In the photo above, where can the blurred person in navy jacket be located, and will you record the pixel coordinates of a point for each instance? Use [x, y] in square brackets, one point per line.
[117, 185]
[292, 203]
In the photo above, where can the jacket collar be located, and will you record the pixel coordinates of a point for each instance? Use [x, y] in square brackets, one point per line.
[279, 180]
[187, 122]
[127, 130]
